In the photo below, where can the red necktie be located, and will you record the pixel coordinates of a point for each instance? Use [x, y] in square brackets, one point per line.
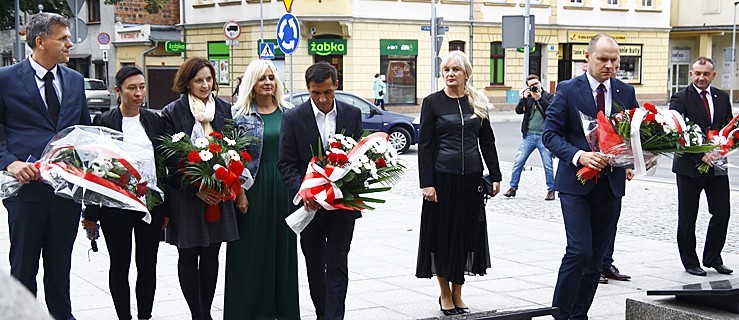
[601, 98]
[705, 103]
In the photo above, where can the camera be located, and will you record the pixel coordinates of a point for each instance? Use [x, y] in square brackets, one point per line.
[534, 88]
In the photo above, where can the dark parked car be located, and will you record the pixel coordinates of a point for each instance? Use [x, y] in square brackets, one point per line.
[403, 129]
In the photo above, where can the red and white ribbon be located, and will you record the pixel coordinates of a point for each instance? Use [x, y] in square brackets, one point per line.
[640, 167]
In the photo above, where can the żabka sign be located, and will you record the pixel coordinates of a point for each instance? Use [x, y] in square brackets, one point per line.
[327, 47]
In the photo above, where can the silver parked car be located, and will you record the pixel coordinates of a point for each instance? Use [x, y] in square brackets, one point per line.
[98, 97]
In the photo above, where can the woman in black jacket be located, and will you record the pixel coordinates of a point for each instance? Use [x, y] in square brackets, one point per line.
[197, 113]
[453, 234]
[141, 127]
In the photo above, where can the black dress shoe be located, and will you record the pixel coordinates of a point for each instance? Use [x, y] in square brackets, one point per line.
[447, 312]
[550, 196]
[723, 269]
[462, 310]
[510, 193]
[613, 273]
[603, 279]
[697, 271]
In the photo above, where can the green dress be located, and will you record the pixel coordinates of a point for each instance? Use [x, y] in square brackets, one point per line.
[262, 266]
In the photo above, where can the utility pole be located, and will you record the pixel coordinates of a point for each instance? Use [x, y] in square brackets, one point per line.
[18, 54]
[434, 54]
[526, 44]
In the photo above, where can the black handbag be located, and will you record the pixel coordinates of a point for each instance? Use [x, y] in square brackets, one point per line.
[486, 186]
[382, 92]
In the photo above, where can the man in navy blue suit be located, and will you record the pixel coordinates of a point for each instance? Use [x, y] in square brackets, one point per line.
[326, 240]
[590, 210]
[38, 98]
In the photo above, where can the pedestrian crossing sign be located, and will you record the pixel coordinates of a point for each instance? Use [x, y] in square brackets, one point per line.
[266, 50]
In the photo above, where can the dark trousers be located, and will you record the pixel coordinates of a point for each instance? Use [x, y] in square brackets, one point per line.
[380, 103]
[117, 227]
[325, 243]
[608, 256]
[688, 195]
[590, 222]
[197, 269]
[45, 228]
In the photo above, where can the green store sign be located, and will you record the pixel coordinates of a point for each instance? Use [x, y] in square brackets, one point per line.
[327, 47]
[398, 47]
[174, 46]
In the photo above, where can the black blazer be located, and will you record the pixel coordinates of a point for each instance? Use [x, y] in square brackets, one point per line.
[525, 106]
[177, 117]
[299, 138]
[690, 104]
[154, 127]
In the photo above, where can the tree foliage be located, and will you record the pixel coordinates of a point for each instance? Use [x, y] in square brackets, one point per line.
[7, 10]
[152, 6]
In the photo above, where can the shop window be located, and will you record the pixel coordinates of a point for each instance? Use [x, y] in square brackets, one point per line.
[535, 60]
[630, 70]
[7, 59]
[456, 45]
[93, 11]
[497, 63]
[218, 56]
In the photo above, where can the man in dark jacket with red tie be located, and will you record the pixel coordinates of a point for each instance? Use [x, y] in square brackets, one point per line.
[710, 108]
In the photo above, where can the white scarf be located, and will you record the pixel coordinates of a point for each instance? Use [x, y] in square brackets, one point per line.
[203, 113]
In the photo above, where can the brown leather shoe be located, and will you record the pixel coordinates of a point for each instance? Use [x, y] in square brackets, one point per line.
[550, 196]
[603, 279]
[613, 273]
[510, 193]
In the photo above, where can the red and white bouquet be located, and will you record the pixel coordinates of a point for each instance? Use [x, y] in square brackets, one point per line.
[727, 141]
[95, 166]
[638, 136]
[340, 178]
[215, 163]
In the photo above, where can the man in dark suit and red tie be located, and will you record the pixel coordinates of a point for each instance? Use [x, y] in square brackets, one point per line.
[710, 108]
[326, 240]
[590, 210]
[38, 98]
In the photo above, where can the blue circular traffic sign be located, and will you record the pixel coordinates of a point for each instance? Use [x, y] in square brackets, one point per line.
[288, 33]
[103, 38]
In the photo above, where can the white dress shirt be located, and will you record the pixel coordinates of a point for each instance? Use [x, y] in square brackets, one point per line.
[326, 122]
[608, 101]
[40, 74]
[709, 97]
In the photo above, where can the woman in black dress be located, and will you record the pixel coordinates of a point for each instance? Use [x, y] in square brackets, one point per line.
[141, 127]
[197, 113]
[454, 129]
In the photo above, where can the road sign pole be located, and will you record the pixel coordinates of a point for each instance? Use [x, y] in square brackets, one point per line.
[526, 44]
[291, 68]
[434, 54]
[261, 22]
[231, 71]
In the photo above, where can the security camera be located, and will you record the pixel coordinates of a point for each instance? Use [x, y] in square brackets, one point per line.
[312, 30]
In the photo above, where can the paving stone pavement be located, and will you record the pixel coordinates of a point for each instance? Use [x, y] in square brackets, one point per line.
[526, 238]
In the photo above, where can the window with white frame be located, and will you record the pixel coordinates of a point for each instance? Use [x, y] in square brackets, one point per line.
[612, 2]
[576, 2]
[646, 3]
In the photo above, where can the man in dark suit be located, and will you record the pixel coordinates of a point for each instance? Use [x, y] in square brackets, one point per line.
[590, 210]
[38, 98]
[325, 241]
[710, 108]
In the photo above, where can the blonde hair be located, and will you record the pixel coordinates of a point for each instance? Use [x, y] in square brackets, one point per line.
[478, 101]
[253, 73]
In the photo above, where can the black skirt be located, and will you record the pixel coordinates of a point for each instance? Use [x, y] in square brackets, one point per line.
[454, 239]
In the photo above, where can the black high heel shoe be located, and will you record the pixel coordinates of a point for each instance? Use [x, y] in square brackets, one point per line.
[448, 312]
[462, 310]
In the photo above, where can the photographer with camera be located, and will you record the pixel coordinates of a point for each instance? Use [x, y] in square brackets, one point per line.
[533, 105]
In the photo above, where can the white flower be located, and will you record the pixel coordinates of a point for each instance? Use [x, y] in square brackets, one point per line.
[201, 143]
[234, 155]
[217, 166]
[339, 136]
[178, 136]
[229, 141]
[97, 167]
[380, 147]
[205, 155]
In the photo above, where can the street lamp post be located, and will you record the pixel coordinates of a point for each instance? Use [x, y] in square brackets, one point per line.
[733, 56]
[40, 8]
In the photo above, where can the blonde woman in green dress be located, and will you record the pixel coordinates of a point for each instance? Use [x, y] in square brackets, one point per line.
[262, 266]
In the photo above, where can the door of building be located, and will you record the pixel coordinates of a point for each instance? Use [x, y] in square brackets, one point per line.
[160, 81]
[338, 62]
[679, 77]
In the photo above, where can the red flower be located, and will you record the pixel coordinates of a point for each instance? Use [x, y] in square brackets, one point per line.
[342, 159]
[335, 144]
[631, 112]
[193, 156]
[736, 134]
[216, 135]
[649, 117]
[650, 107]
[333, 157]
[236, 167]
[141, 189]
[712, 133]
[314, 159]
[215, 148]
[246, 156]
[221, 173]
[380, 162]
